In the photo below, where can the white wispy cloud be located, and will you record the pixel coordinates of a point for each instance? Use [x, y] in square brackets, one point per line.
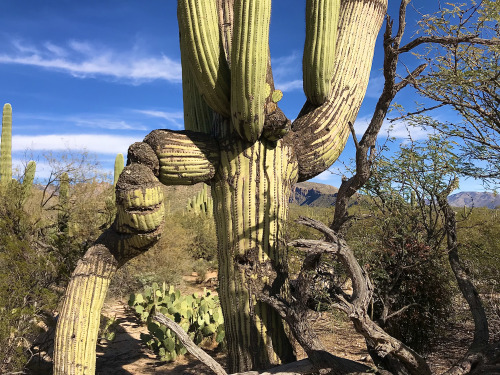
[175, 118]
[94, 143]
[97, 120]
[375, 86]
[85, 59]
[397, 129]
[287, 72]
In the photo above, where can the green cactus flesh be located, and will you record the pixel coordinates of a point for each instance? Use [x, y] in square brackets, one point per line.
[197, 114]
[78, 325]
[249, 63]
[119, 165]
[6, 146]
[29, 177]
[186, 158]
[252, 188]
[201, 203]
[319, 48]
[200, 42]
[250, 176]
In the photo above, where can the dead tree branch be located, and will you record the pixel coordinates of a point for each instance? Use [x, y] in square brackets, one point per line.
[356, 306]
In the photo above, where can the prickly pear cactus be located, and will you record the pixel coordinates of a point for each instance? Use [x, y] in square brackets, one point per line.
[199, 315]
[239, 142]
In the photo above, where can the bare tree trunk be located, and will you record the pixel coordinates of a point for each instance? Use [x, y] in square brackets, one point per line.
[480, 353]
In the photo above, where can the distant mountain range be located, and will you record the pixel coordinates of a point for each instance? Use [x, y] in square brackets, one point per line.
[474, 199]
[314, 194]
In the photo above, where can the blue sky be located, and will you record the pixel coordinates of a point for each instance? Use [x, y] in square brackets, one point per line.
[101, 75]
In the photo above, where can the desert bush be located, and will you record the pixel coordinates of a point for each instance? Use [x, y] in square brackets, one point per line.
[27, 276]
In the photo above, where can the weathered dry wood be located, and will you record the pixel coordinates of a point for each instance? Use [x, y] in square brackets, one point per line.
[480, 353]
[356, 305]
[189, 344]
[304, 366]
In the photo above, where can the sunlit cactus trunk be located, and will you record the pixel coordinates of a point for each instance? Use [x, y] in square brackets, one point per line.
[239, 142]
[251, 192]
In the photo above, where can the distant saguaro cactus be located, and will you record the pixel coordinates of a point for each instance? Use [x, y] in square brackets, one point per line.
[6, 157]
[201, 203]
[29, 177]
[119, 165]
[239, 142]
[6, 146]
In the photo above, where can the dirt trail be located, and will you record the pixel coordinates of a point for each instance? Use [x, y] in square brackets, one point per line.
[127, 355]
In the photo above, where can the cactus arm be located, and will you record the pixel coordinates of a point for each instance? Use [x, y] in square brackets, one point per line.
[137, 227]
[249, 63]
[225, 12]
[200, 43]
[119, 165]
[320, 133]
[319, 49]
[6, 146]
[78, 322]
[198, 116]
[186, 157]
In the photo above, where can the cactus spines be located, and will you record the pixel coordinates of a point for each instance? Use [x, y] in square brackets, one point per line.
[249, 63]
[6, 146]
[197, 114]
[319, 48]
[119, 165]
[200, 42]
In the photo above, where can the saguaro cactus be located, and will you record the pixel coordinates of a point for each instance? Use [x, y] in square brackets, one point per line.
[6, 146]
[119, 165]
[29, 177]
[239, 142]
[201, 203]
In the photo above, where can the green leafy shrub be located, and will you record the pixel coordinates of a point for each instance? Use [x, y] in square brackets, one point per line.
[200, 316]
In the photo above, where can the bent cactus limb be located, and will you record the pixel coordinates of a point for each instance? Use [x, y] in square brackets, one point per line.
[137, 227]
[78, 322]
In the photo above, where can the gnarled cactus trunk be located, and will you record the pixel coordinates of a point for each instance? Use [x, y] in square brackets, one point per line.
[251, 193]
[240, 142]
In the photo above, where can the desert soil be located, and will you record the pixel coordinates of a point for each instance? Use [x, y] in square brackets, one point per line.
[127, 355]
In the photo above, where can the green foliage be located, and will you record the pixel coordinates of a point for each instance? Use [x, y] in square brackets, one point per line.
[63, 215]
[403, 249]
[465, 77]
[201, 231]
[28, 272]
[199, 315]
[107, 328]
